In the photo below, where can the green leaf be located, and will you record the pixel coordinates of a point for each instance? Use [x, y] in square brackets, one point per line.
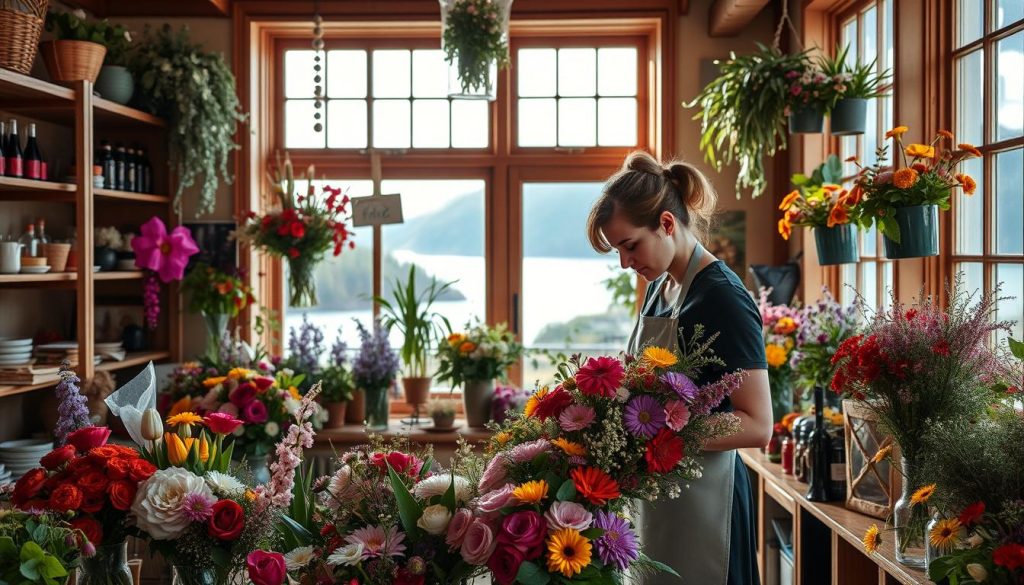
[51, 568]
[890, 228]
[592, 533]
[221, 557]
[1016, 348]
[531, 574]
[7, 548]
[31, 551]
[296, 533]
[30, 568]
[658, 565]
[448, 499]
[408, 510]
[567, 491]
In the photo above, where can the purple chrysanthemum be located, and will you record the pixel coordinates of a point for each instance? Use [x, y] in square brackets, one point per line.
[681, 384]
[618, 545]
[197, 507]
[644, 416]
[72, 413]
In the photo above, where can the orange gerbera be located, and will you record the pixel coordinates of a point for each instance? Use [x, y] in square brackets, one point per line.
[897, 131]
[789, 200]
[967, 182]
[183, 405]
[568, 447]
[855, 196]
[467, 347]
[904, 178]
[920, 151]
[594, 485]
[872, 539]
[969, 148]
[534, 401]
[945, 534]
[785, 228]
[215, 381]
[531, 492]
[839, 215]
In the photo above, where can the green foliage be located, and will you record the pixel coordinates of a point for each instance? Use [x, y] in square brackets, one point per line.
[72, 26]
[409, 311]
[337, 384]
[860, 79]
[34, 549]
[214, 292]
[194, 91]
[473, 37]
[622, 286]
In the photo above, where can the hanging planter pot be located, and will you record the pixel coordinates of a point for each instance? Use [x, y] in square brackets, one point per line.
[849, 117]
[919, 233]
[806, 120]
[475, 41]
[836, 245]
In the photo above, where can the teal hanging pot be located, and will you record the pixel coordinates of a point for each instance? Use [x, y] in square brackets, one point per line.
[836, 245]
[849, 117]
[919, 233]
[806, 120]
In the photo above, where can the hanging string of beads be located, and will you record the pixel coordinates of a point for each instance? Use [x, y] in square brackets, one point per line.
[318, 90]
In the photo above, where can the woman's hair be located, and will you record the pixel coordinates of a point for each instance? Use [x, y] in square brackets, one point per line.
[644, 188]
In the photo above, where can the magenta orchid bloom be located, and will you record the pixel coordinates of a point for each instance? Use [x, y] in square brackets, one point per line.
[163, 253]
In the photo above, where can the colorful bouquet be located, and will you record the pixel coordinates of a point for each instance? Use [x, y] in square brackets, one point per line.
[507, 398]
[780, 324]
[162, 255]
[927, 177]
[213, 292]
[479, 353]
[819, 201]
[809, 88]
[301, 230]
[824, 325]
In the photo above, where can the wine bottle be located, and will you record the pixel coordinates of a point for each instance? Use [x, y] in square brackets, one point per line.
[817, 491]
[3, 149]
[106, 160]
[147, 172]
[129, 170]
[837, 466]
[119, 167]
[12, 155]
[33, 159]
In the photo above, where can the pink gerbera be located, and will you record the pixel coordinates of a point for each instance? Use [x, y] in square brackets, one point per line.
[377, 542]
[163, 253]
[600, 376]
[576, 417]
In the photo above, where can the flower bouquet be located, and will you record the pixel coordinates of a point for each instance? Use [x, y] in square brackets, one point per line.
[562, 472]
[824, 326]
[507, 398]
[904, 203]
[475, 43]
[810, 94]
[300, 229]
[38, 548]
[819, 202]
[373, 372]
[474, 359]
[780, 324]
[162, 255]
[218, 297]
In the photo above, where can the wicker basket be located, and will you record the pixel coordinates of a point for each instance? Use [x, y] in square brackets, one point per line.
[871, 488]
[21, 21]
[69, 61]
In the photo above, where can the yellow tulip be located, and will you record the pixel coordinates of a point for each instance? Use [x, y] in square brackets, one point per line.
[177, 452]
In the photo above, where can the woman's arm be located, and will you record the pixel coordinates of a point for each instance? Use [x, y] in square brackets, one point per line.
[752, 403]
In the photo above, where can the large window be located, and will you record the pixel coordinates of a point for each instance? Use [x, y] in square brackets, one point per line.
[988, 227]
[868, 32]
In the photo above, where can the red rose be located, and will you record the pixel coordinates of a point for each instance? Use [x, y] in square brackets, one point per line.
[28, 486]
[400, 462]
[122, 493]
[58, 457]
[972, 513]
[87, 438]
[92, 529]
[56, 479]
[140, 470]
[504, 563]
[100, 455]
[92, 483]
[118, 468]
[66, 497]
[293, 252]
[93, 503]
[266, 568]
[227, 520]
[664, 451]
[221, 423]
[404, 576]
[1010, 556]
[263, 382]
[298, 229]
[80, 465]
[242, 395]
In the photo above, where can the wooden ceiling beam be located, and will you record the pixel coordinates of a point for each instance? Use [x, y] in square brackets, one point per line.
[186, 8]
[729, 17]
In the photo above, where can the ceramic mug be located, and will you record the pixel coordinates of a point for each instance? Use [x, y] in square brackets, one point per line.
[10, 257]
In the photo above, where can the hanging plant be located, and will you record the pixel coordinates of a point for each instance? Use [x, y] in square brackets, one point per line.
[475, 39]
[195, 92]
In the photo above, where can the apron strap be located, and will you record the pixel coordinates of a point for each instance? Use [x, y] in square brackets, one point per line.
[692, 268]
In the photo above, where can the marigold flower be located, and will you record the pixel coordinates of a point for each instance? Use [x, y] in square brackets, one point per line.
[775, 354]
[904, 178]
[872, 539]
[969, 148]
[789, 200]
[946, 134]
[839, 215]
[897, 131]
[922, 494]
[659, 357]
[920, 151]
[968, 183]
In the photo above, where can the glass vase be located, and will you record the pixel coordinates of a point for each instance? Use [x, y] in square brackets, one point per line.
[109, 566]
[377, 409]
[216, 330]
[910, 520]
[193, 575]
[301, 284]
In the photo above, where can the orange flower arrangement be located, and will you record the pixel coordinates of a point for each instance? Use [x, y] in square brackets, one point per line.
[819, 200]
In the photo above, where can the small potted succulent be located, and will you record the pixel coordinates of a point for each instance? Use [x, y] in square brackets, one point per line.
[853, 84]
[442, 410]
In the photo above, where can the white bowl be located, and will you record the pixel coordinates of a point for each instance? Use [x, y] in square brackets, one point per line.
[26, 446]
[9, 342]
[14, 349]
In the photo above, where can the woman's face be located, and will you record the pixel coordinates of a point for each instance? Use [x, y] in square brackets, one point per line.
[646, 251]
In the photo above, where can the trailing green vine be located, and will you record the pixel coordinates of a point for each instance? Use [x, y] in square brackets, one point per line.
[473, 37]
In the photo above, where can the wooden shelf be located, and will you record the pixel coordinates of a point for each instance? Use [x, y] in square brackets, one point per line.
[47, 279]
[119, 275]
[129, 196]
[133, 359]
[108, 113]
[35, 98]
[14, 189]
[13, 390]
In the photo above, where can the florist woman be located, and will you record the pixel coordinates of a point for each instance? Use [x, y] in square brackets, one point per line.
[654, 217]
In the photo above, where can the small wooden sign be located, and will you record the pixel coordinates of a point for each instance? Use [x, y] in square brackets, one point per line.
[376, 210]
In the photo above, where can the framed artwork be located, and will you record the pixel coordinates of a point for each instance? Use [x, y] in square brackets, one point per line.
[216, 248]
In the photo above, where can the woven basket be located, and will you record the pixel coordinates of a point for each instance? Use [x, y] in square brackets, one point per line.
[21, 21]
[69, 61]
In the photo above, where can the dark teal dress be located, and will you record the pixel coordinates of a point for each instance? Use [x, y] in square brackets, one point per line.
[718, 300]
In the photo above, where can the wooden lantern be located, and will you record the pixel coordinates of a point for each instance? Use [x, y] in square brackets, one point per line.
[871, 488]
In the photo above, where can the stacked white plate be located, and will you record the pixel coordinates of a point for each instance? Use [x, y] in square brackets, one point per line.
[21, 455]
[15, 352]
[5, 475]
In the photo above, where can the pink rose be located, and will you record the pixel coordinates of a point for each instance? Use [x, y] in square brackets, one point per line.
[458, 526]
[568, 515]
[478, 543]
[255, 412]
[676, 415]
[266, 568]
[263, 382]
[490, 503]
[524, 530]
[504, 564]
[494, 474]
[242, 395]
[87, 438]
[221, 423]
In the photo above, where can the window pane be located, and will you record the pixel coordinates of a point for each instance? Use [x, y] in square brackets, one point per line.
[346, 74]
[576, 121]
[470, 124]
[391, 123]
[577, 72]
[391, 73]
[869, 283]
[850, 36]
[886, 103]
[429, 74]
[890, 44]
[1009, 195]
[616, 121]
[847, 283]
[869, 241]
[616, 72]
[583, 318]
[1011, 309]
[430, 123]
[298, 74]
[970, 212]
[848, 148]
[888, 284]
[346, 124]
[869, 36]
[432, 207]
[970, 21]
[298, 125]
[537, 122]
[970, 98]
[1010, 87]
[974, 276]
[1008, 12]
[537, 69]
[343, 283]
[871, 137]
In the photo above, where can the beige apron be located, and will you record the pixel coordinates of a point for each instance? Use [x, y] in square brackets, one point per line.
[691, 533]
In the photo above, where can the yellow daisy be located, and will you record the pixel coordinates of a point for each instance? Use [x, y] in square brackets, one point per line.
[569, 448]
[945, 534]
[215, 381]
[872, 539]
[922, 494]
[568, 552]
[239, 374]
[531, 492]
[882, 453]
[659, 357]
[184, 418]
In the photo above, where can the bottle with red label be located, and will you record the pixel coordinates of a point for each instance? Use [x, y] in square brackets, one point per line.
[3, 149]
[13, 166]
[33, 159]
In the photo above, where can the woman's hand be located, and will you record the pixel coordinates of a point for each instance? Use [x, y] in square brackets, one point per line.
[752, 403]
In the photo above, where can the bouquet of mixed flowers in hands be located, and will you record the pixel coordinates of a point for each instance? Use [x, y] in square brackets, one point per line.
[564, 470]
[479, 353]
[780, 324]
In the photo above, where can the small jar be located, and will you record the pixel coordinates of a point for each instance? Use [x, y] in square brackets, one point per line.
[774, 449]
[788, 448]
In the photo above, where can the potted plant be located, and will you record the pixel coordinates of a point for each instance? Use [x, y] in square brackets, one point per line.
[904, 204]
[475, 44]
[810, 96]
[170, 71]
[218, 297]
[108, 241]
[337, 384]
[39, 548]
[853, 84]
[743, 110]
[409, 312]
[115, 81]
[373, 373]
[819, 202]
[474, 359]
[442, 411]
[78, 51]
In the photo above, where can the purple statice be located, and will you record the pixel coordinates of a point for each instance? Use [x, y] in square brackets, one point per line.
[681, 384]
[618, 545]
[507, 398]
[377, 363]
[711, 395]
[644, 416]
[72, 413]
[305, 347]
[338, 350]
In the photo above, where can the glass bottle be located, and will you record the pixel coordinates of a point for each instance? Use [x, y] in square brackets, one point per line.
[818, 446]
[837, 466]
[33, 159]
[909, 520]
[3, 149]
[30, 241]
[109, 566]
[119, 167]
[787, 455]
[105, 159]
[13, 162]
[43, 238]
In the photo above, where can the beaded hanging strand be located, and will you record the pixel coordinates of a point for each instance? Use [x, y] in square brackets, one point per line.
[318, 89]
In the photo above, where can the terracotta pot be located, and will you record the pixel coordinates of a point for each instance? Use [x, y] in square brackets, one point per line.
[355, 413]
[335, 415]
[417, 390]
[69, 61]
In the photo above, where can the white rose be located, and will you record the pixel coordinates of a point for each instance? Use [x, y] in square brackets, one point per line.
[977, 572]
[350, 554]
[299, 558]
[271, 428]
[435, 519]
[437, 485]
[157, 505]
